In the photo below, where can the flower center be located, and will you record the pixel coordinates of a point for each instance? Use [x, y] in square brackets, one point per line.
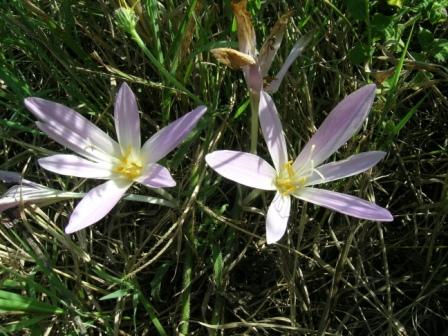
[287, 182]
[130, 166]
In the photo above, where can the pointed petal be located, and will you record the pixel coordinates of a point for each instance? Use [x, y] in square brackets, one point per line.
[271, 128]
[57, 115]
[244, 168]
[296, 51]
[245, 29]
[127, 120]
[340, 169]
[344, 121]
[156, 176]
[277, 218]
[73, 165]
[272, 43]
[346, 204]
[21, 194]
[79, 144]
[96, 204]
[8, 203]
[169, 137]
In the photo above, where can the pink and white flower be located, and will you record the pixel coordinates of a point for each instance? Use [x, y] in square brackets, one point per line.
[100, 157]
[298, 178]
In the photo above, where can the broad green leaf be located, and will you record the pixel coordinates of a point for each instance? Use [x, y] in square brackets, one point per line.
[425, 38]
[358, 9]
[359, 54]
[382, 26]
[439, 50]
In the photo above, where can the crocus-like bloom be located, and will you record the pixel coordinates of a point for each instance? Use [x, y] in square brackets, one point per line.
[28, 192]
[121, 163]
[256, 66]
[297, 178]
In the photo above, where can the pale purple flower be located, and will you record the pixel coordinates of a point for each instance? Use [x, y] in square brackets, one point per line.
[297, 178]
[120, 163]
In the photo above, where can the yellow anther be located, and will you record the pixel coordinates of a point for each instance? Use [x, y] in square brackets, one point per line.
[287, 182]
[129, 165]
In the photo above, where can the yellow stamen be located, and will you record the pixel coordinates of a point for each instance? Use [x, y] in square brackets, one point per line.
[287, 182]
[129, 165]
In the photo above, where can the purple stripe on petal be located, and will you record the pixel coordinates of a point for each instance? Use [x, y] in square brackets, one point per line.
[342, 123]
[72, 165]
[58, 115]
[272, 131]
[75, 142]
[96, 204]
[169, 137]
[22, 194]
[277, 218]
[127, 120]
[156, 176]
[8, 203]
[244, 168]
[346, 204]
[340, 169]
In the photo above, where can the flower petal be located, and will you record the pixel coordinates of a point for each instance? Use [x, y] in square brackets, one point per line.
[342, 122]
[253, 78]
[296, 51]
[21, 194]
[272, 131]
[340, 169]
[346, 204]
[127, 120]
[244, 168]
[156, 176]
[277, 218]
[272, 43]
[169, 137]
[72, 165]
[57, 115]
[8, 203]
[96, 204]
[79, 144]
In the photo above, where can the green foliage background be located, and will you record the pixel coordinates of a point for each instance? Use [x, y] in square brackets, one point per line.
[205, 268]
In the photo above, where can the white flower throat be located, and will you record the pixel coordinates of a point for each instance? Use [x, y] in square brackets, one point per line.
[287, 181]
[129, 165]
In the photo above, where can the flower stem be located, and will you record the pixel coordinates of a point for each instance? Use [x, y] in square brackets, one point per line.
[186, 294]
[254, 101]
